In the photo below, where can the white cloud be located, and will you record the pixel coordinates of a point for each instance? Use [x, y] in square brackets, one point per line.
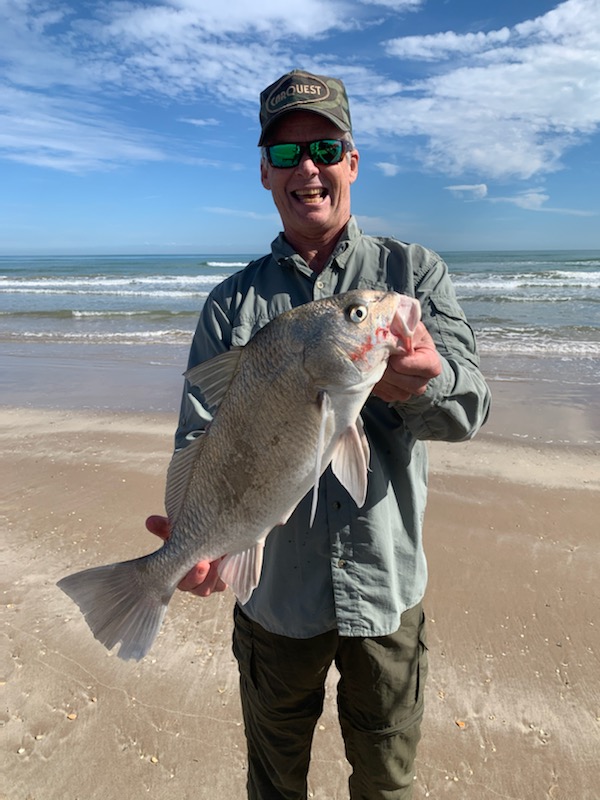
[389, 170]
[181, 20]
[513, 103]
[535, 200]
[396, 5]
[471, 191]
[174, 48]
[499, 104]
[240, 213]
[438, 46]
[200, 123]
[78, 136]
[532, 199]
[73, 137]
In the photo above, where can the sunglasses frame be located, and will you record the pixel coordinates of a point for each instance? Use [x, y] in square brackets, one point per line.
[307, 147]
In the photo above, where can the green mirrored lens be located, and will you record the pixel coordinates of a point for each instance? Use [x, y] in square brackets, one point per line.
[323, 151]
[284, 155]
[326, 151]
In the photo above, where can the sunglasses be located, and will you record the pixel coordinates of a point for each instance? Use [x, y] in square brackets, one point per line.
[322, 152]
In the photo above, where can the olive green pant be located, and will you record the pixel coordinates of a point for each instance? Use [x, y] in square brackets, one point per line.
[380, 706]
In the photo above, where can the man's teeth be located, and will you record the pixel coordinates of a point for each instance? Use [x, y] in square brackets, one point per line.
[310, 195]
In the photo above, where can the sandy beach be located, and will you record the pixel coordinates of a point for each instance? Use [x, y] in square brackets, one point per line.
[513, 700]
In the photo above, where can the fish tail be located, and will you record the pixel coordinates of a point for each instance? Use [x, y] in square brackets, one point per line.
[120, 604]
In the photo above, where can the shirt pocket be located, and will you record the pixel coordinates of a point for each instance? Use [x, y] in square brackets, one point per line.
[244, 328]
[448, 325]
[383, 286]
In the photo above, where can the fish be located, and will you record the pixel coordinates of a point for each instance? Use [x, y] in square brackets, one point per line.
[284, 407]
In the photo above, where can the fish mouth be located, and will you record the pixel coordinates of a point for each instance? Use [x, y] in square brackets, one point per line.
[311, 196]
[404, 322]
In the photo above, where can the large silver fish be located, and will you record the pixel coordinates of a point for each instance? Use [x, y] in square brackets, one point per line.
[286, 406]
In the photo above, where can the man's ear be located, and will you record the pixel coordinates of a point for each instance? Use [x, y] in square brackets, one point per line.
[354, 159]
[264, 177]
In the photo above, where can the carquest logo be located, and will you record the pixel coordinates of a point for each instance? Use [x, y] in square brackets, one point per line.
[295, 91]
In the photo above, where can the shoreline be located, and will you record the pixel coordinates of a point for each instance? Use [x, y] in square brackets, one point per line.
[149, 379]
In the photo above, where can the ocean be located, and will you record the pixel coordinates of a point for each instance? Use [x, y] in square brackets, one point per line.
[536, 313]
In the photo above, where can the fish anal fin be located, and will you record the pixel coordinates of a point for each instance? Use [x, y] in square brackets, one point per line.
[241, 570]
[350, 462]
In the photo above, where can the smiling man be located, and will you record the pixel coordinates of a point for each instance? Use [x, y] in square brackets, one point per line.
[314, 203]
[348, 589]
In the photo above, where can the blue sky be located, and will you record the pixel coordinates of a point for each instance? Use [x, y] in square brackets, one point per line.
[131, 127]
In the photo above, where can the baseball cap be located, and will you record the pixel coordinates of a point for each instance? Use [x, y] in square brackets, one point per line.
[300, 90]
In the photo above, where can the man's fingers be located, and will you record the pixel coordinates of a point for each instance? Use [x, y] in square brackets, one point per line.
[195, 576]
[201, 580]
[158, 525]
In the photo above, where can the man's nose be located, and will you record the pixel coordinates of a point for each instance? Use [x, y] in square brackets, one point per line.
[306, 166]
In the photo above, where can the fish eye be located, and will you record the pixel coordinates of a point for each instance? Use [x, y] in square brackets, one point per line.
[358, 313]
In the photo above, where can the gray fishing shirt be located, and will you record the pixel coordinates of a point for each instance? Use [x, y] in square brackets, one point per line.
[356, 569]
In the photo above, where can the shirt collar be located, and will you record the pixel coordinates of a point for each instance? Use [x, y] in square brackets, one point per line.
[283, 252]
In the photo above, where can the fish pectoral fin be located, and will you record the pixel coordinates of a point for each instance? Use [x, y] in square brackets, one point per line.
[214, 376]
[242, 570]
[350, 462]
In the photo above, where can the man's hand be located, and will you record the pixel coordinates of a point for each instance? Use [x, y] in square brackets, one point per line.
[201, 580]
[408, 374]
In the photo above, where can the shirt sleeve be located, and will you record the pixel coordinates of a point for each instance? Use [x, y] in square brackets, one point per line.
[456, 403]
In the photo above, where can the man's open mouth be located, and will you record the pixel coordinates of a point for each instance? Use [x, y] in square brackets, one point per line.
[310, 196]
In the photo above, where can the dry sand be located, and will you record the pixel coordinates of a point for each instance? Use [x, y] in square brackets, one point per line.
[513, 700]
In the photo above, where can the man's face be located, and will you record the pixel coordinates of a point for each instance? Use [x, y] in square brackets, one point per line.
[313, 200]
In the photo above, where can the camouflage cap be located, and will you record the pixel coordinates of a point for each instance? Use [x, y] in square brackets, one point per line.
[299, 90]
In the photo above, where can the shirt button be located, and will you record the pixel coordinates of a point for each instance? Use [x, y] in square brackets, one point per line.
[337, 505]
[320, 284]
[341, 563]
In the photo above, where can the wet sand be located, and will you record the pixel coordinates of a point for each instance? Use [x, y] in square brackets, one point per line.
[513, 699]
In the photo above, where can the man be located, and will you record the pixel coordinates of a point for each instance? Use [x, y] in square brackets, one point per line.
[349, 589]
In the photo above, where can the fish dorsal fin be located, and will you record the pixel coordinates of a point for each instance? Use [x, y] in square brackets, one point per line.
[350, 462]
[213, 377]
[325, 408]
[242, 570]
[178, 477]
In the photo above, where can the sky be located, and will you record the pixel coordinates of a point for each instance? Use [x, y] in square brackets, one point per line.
[132, 127]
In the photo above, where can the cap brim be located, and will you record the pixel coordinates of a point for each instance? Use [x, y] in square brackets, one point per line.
[276, 117]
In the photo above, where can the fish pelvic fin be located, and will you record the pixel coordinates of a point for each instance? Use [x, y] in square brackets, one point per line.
[241, 571]
[350, 462]
[325, 410]
[119, 605]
